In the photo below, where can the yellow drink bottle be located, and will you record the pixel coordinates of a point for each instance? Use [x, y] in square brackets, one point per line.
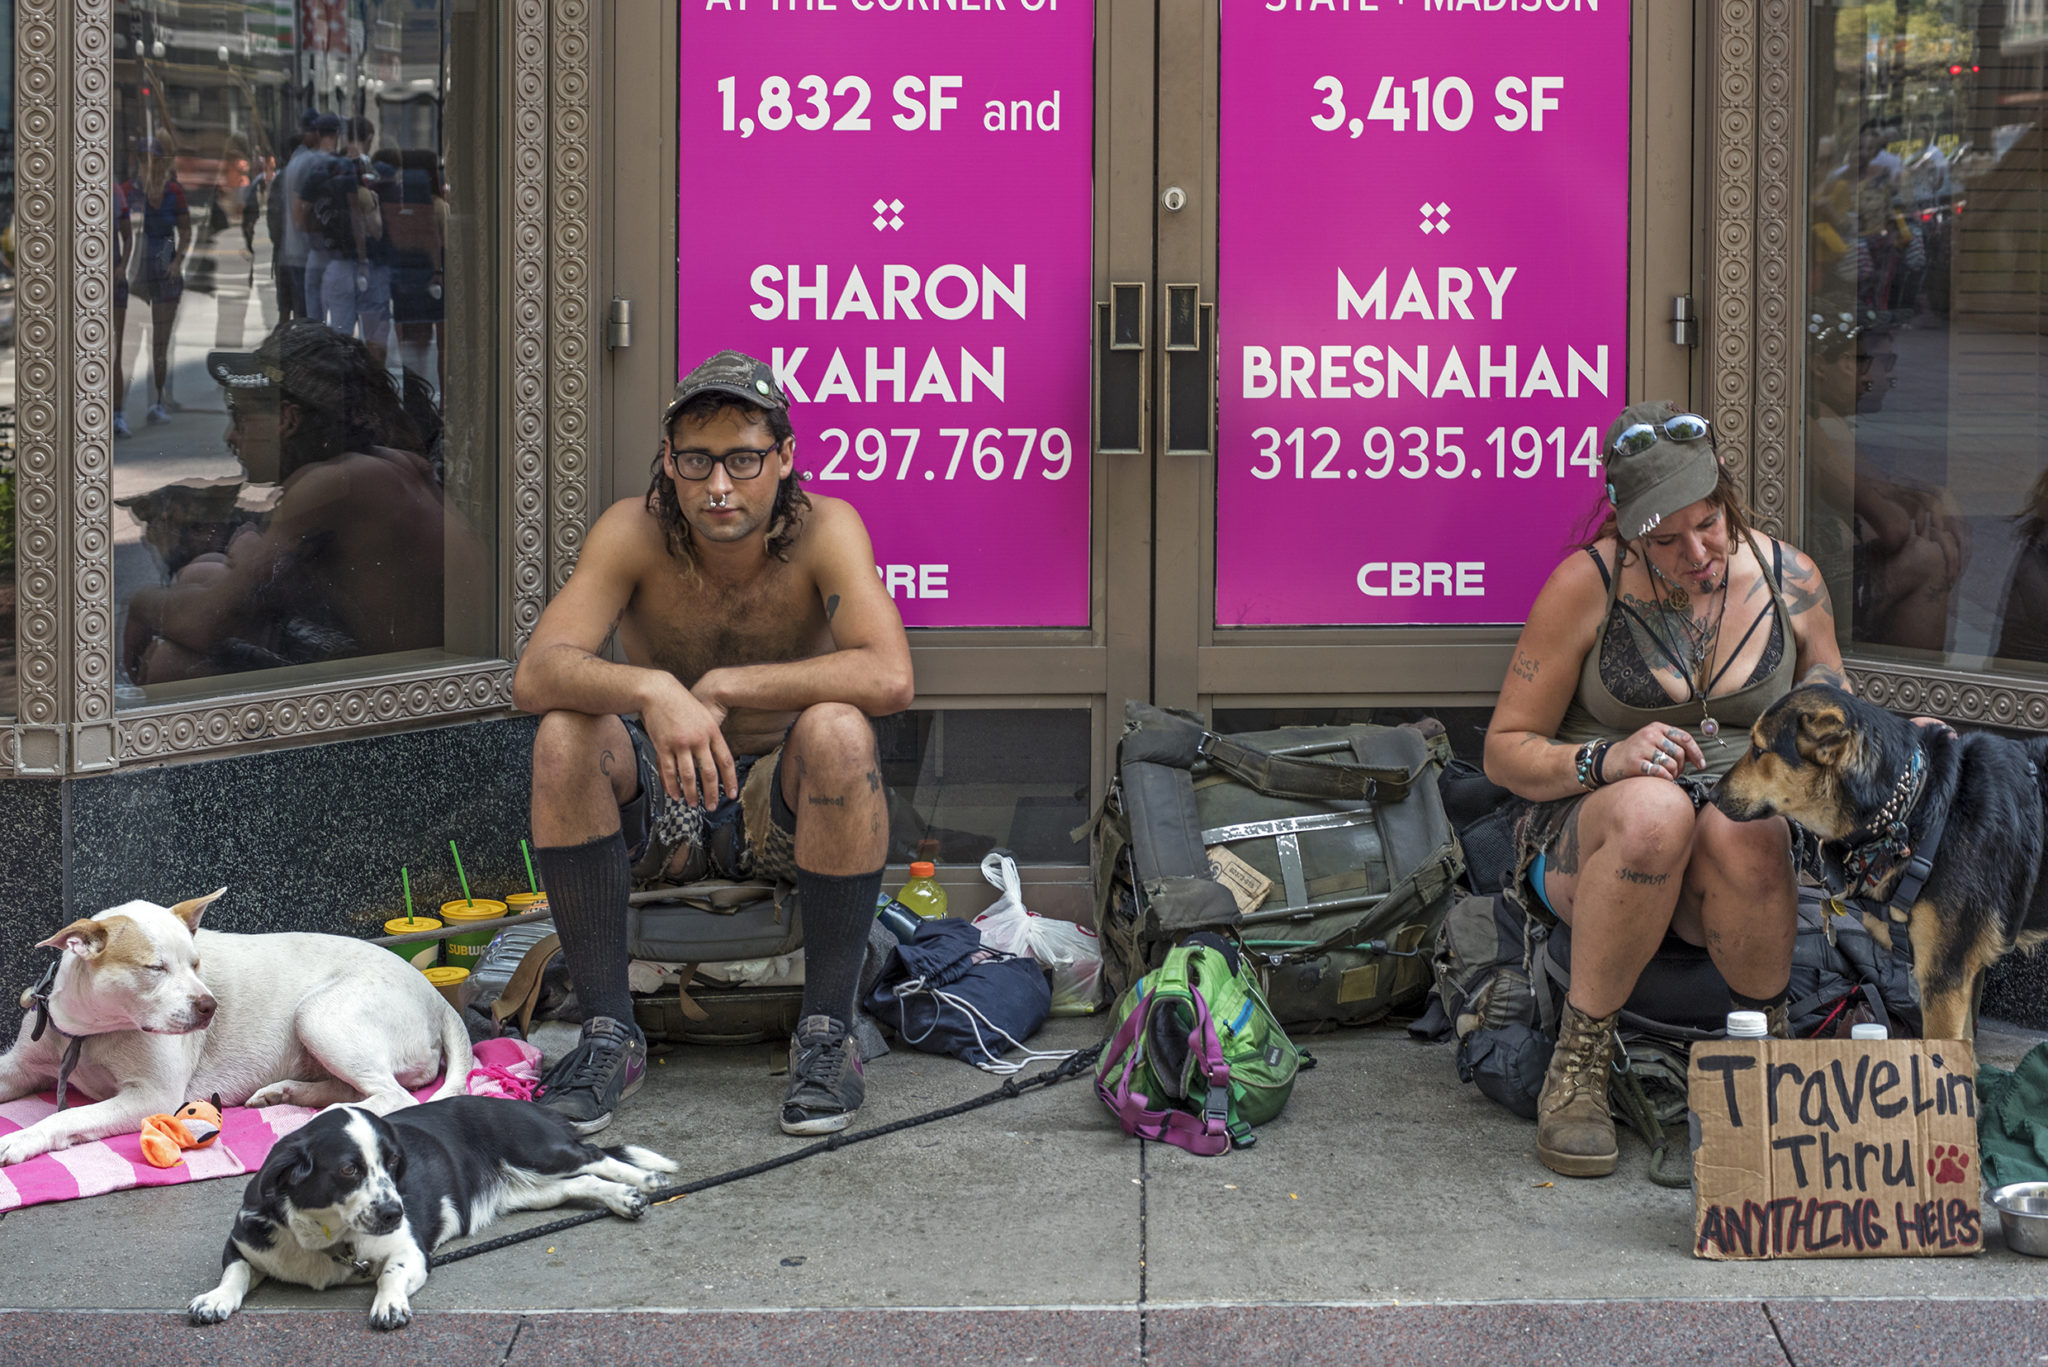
[922, 894]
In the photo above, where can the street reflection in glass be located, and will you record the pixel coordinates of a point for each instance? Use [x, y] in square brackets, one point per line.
[1926, 370]
[305, 479]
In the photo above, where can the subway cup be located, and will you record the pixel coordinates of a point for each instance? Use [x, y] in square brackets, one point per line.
[466, 948]
[419, 953]
[519, 903]
[448, 982]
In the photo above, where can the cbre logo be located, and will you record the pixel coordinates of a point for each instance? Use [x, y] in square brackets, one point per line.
[1422, 579]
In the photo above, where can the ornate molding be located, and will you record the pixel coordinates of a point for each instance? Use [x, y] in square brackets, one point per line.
[1776, 430]
[1953, 696]
[92, 363]
[573, 198]
[529, 262]
[41, 536]
[313, 713]
[1732, 189]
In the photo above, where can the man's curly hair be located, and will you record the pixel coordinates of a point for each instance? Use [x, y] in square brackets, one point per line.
[785, 516]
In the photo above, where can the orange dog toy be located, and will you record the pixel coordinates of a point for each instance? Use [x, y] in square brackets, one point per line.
[165, 1137]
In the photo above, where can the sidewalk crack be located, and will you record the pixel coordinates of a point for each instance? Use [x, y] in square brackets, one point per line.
[1144, 1194]
[517, 1330]
[1779, 1335]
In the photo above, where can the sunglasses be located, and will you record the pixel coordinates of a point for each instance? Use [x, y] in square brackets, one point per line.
[1639, 437]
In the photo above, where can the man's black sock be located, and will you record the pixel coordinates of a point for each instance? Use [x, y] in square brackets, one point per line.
[587, 887]
[837, 910]
[1743, 1003]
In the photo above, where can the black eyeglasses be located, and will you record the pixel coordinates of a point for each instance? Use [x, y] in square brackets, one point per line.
[1639, 437]
[741, 463]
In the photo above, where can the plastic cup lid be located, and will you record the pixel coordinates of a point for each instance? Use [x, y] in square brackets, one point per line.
[1869, 1030]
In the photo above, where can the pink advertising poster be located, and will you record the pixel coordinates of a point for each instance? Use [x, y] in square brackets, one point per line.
[889, 201]
[1423, 289]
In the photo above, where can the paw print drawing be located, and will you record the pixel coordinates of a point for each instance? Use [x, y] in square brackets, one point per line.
[1948, 1163]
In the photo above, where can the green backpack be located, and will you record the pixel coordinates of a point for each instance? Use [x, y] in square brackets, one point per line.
[1195, 1057]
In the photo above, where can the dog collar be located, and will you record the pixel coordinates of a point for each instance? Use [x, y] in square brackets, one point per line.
[1873, 853]
[38, 999]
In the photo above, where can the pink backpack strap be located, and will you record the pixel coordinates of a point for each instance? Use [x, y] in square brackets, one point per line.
[1206, 1135]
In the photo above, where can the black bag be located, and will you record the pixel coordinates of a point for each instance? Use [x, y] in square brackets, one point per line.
[1347, 824]
[330, 194]
[1501, 978]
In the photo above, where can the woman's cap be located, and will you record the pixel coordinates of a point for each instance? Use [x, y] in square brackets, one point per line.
[1649, 484]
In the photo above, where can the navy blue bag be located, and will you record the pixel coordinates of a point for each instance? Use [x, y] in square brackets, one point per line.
[945, 993]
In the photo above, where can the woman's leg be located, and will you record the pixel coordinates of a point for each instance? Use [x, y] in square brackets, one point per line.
[1741, 902]
[1613, 874]
[163, 316]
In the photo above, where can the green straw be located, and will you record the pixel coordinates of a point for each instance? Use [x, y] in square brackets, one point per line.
[460, 874]
[406, 874]
[532, 883]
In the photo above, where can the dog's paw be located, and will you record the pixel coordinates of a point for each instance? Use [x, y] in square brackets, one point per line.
[392, 1313]
[276, 1094]
[627, 1203]
[213, 1307]
[18, 1147]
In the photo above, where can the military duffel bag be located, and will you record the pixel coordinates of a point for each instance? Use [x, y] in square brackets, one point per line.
[1344, 822]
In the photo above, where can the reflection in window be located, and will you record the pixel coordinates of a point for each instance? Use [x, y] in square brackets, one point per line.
[1926, 370]
[8, 688]
[304, 461]
[964, 782]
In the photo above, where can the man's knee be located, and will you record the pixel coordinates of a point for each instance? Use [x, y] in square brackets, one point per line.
[833, 738]
[569, 746]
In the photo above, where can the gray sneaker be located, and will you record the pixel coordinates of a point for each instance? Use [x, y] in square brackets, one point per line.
[825, 1082]
[607, 1065]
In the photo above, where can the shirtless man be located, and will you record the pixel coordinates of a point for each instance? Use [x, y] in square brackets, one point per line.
[759, 640]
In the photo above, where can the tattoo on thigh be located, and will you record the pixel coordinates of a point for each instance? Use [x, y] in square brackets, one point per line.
[1565, 857]
[818, 800]
[604, 763]
[1648, 880]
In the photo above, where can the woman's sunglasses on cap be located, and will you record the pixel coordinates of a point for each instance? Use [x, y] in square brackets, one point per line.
[1641, 436]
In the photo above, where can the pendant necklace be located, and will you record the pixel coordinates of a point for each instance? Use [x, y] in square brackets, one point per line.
[1702, 640]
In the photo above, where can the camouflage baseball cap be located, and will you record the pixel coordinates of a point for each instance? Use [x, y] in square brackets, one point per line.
[729, 372]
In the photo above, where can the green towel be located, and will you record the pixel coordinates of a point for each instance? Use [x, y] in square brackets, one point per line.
[2012, 1120]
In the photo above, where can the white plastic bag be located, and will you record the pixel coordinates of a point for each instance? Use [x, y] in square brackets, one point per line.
[1070, 952]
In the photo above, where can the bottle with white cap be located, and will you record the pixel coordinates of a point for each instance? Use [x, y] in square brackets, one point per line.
[1869, 1030]
[1748, 1025]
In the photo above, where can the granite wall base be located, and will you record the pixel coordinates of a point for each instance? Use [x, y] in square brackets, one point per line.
[305, 839]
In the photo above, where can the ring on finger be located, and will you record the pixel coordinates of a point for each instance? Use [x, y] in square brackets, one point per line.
[1652, 767]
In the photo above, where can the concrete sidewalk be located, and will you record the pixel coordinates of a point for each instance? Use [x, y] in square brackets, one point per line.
[1391, 1215]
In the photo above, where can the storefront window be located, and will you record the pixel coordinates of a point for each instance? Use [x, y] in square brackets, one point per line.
[306, 466]
[8, 688]
[1926, 361]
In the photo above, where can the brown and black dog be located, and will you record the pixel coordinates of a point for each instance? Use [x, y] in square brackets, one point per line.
[1831, 762]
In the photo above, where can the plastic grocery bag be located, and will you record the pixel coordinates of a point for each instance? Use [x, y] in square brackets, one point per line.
[1069, 952]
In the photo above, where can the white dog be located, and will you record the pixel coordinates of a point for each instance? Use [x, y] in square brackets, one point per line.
[154, 1011]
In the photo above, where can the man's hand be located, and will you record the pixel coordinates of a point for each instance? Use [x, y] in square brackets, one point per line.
[689, 749]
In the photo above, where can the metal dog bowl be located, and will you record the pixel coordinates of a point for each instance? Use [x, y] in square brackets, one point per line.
[2023, 1214]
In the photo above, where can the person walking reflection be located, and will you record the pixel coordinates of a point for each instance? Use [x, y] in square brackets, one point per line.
[150, 267]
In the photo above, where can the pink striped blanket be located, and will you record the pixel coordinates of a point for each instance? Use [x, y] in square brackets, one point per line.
[246, 1137]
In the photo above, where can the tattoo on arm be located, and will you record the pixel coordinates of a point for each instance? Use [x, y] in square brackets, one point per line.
[1826, 674]
[831, 606]
[1525, 665]
[1804, 588]
[1650, 880]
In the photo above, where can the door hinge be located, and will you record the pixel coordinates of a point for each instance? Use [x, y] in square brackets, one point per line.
[618, 324]
[1685, 328]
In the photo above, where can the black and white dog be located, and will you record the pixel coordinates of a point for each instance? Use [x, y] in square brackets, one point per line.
[356, 1197]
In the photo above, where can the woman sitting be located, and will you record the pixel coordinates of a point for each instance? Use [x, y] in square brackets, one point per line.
[1644, 661]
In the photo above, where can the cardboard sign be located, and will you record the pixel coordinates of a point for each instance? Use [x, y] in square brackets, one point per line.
[1246, 883]
[1834, 1148]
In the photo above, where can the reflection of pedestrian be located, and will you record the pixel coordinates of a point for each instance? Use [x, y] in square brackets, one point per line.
[154, 269]
[353, 559]
[416, 227]
[281, 211]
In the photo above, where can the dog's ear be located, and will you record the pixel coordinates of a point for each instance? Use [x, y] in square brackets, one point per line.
[192, 908]
[1825, 736]
[85, 938]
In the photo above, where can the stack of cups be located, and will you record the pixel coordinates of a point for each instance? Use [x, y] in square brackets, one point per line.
[418, 953]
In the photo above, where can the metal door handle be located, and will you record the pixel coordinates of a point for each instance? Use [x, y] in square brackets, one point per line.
[1190, 373]
[1121, 378]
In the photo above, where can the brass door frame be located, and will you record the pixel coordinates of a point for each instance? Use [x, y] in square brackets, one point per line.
[1094, 667]
[1199, 665]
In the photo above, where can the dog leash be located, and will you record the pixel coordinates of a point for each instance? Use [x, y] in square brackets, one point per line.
[1014, 1087]
[38, 999]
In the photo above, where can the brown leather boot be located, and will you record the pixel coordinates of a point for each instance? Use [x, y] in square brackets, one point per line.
[1778, 1022]
[1574, 1131]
